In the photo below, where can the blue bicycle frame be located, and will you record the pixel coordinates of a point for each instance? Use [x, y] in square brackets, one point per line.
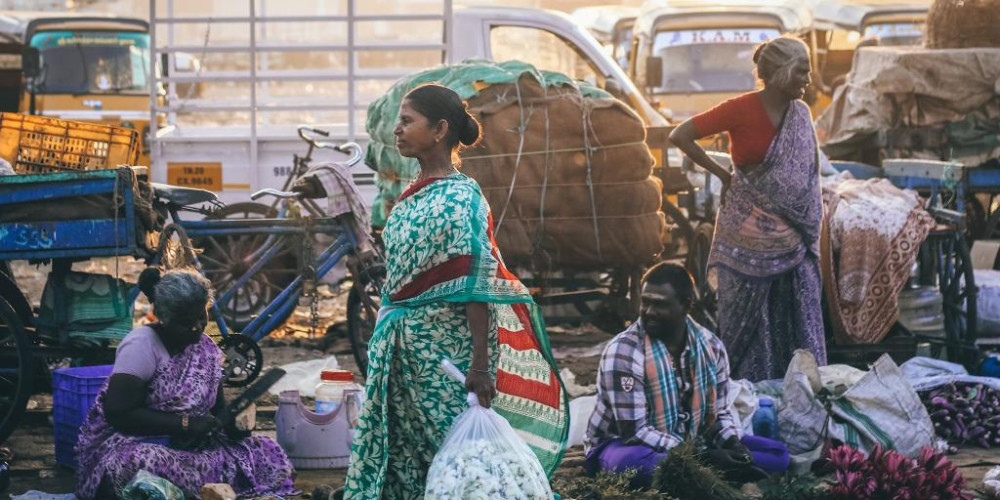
[280, 232]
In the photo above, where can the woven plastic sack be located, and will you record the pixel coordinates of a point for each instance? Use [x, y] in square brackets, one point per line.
[149, 486]
[483, 458]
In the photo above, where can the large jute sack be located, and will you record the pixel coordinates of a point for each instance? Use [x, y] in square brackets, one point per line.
[963, 24]
[571, 243]
[567, 177]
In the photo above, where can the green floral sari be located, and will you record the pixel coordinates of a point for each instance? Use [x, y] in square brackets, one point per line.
[442, 255]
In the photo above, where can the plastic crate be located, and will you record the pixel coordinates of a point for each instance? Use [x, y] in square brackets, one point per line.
[36, 144]
[74, 391]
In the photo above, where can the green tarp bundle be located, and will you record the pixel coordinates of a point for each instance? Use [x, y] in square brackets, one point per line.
[564, 166]
[396, 172]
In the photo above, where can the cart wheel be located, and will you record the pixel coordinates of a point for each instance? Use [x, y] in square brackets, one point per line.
[697, 258]
[225, 258]
[16, 369]
[12, 294]
[705, 308]
[947, 252]
[243, 361]
[362, 312]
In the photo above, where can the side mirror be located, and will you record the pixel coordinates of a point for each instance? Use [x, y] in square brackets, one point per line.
[31, 62]
[654, 72]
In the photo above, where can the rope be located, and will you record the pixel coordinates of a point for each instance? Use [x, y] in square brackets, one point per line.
[520, 149]
[595, 217]
[540, 233]
[587, 129]
[197, 75]
[568, 185]
[117, 201]
[585, 148]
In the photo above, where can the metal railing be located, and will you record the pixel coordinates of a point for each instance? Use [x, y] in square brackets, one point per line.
[259, 104]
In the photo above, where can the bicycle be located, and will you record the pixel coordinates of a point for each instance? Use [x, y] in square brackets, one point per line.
[292, 232]
[226, 257]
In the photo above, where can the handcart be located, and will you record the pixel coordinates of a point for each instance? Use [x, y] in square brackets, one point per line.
[61, 218]
[945, 259]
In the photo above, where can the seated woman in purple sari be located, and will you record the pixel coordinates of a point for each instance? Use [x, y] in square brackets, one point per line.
[167, 381]
[765, 253]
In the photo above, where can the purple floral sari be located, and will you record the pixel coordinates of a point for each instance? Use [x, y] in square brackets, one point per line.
[765, 255]
[186, 384]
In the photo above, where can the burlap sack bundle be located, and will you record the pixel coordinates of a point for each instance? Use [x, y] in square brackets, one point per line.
[567, 177]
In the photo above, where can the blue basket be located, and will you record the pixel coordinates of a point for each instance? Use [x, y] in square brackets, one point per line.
[74, 391]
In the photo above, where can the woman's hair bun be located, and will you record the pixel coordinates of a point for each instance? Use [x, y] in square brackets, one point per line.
[470, 132]
[148, 279]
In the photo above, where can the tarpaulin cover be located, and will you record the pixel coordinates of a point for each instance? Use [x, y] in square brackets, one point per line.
[956, 90]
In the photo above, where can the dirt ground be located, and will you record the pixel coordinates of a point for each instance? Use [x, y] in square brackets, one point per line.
[577, 351]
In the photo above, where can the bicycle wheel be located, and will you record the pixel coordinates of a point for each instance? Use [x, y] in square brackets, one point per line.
[16, 369]
[362, 312]
[225, 258]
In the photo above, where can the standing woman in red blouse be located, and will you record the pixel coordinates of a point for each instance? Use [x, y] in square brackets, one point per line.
[765, 253]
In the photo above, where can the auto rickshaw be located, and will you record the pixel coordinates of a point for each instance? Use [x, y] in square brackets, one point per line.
[843, 26]
[690, 55]
[612, 25]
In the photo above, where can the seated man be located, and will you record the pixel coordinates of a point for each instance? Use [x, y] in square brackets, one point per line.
[663, 381]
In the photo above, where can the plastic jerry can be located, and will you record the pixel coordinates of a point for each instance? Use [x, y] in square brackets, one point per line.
[312, 440]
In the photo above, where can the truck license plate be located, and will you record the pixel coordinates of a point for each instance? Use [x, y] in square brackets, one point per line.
[195, 175]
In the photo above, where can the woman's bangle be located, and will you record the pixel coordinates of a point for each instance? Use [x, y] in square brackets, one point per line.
[480, 371]
[184, 422]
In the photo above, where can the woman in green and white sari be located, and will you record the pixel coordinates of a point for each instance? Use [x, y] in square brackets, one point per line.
[447, 295]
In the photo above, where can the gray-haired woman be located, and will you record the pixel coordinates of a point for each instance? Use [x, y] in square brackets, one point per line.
[167, 381]
[766, 247]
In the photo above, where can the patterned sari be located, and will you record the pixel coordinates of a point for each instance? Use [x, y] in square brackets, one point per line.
[442, 255]
[765, 255]
[188, 383]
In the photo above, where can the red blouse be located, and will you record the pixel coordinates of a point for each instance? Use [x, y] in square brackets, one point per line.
[750, 129]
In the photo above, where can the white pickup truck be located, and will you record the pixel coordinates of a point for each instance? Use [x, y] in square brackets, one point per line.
[237, 159]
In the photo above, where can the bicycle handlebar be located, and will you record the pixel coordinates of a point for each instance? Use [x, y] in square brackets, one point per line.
[349, 148]
[353, 149]
[274, 192]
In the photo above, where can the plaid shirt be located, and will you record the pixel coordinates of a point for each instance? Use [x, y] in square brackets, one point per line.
[621, 394]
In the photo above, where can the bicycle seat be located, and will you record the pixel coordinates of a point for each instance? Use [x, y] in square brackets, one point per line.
[182, 196]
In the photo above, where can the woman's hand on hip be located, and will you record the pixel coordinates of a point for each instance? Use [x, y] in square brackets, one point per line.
[481, 383]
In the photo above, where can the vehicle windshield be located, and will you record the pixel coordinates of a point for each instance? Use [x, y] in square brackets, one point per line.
[708, 60]
[896, 34]
[93, 62]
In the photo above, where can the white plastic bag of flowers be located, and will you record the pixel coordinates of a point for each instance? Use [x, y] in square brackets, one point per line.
[483, 458]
